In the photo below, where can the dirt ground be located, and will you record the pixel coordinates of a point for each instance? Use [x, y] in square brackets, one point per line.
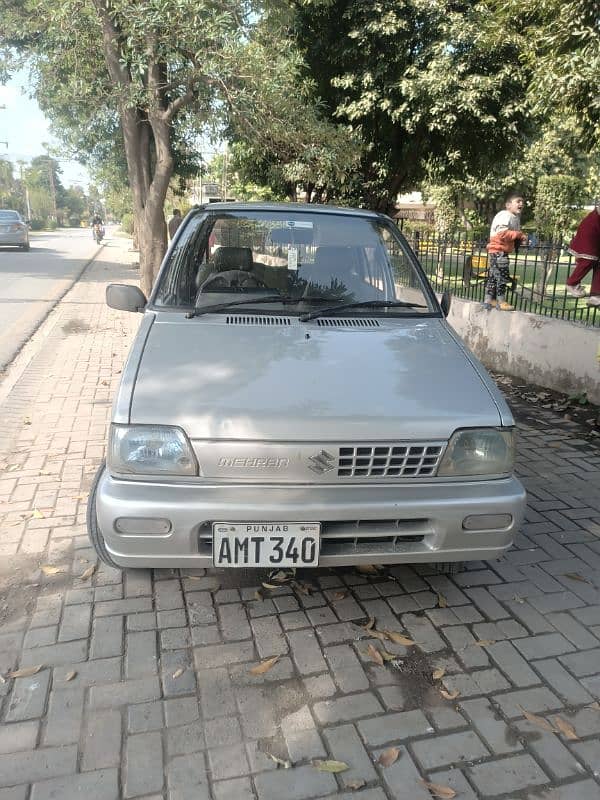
[526, 398]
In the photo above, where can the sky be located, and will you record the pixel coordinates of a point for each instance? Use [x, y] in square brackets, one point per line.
[24, 127]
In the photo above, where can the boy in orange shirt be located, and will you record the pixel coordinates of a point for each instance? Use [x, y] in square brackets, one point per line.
[505, 231]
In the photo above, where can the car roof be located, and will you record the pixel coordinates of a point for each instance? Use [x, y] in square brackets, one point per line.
[8, 211]
[307, 208]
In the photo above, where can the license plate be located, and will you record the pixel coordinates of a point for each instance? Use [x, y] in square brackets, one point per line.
[266, 544]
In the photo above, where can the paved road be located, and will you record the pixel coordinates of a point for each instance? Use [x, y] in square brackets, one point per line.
[143, 687]
[31, 283]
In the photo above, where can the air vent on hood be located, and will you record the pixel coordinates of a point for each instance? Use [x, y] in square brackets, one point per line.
[262, 320]
[353, 322]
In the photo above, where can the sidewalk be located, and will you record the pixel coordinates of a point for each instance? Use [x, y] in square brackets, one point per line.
[144, 689]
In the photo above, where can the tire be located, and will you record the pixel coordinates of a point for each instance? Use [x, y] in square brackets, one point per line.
[449, 567]
[94, 533]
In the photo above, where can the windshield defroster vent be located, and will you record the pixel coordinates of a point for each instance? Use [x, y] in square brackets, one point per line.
[239, 319]
[353, 322]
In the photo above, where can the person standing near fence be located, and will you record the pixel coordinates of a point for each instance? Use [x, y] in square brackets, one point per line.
[505, 232]
[585, 246]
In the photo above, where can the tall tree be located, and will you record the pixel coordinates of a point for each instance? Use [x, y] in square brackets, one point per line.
[426, 84]
[141, 66]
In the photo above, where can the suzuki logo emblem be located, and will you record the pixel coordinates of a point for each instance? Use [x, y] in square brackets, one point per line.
[322, 462]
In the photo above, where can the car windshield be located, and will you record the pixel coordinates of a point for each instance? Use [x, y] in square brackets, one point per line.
[309, 258]
[9, 215]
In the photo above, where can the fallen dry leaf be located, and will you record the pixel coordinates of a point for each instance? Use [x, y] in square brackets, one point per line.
[303, 588]
[330, 766]
[378, 635]
[389, 756]
[339, 596]
[281, 762]
[437, 790]
[87, 573]
[387, 656]
[398, 638]
[442, 602]
[2, 679]
[375, 655]
[80, 497]
[595, 706]
[70, 675]
[178, 672]
[485, 642]
[37, 514]
[25, 672]
[258, 595]
[566, 728]
[439, 673]
[370, 624]
[357, 784]
[264, 666]
[270, 585]
[192, 577]
[47, 569]
[283, 575]
[26, 421]
[368, 569]
[574, 576]
[449, 695]
[540, 722]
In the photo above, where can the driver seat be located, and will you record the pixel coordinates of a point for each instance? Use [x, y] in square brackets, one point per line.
[226, 258]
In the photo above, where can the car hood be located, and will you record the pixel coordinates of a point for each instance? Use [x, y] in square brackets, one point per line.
[217, 379]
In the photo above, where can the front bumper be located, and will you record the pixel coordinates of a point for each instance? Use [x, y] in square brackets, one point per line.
[360, 523]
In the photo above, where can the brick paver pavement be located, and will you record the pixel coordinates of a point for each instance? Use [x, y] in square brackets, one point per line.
[106, 717]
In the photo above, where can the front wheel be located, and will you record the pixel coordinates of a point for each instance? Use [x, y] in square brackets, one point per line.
[94, 532]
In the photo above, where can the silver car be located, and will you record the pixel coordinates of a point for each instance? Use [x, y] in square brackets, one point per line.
[13, 229]
[295, 397]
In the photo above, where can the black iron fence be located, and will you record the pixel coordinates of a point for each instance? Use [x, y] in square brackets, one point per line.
[538, 274]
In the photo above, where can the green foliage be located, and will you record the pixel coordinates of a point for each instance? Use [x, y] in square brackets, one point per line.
[557, 203]
[446, 207]
[11, 191]
[127, 223]
[425, 84]
[560, 45]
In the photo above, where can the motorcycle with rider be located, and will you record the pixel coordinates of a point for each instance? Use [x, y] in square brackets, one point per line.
[97, 228]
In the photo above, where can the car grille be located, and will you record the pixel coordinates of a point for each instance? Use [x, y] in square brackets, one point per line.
[355, 537]
[387, 461]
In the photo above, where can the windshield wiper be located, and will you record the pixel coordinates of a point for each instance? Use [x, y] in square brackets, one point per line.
[360, 304]
[286, 299]
[270, 298]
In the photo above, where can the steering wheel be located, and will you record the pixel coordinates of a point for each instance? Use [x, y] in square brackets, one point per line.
[231, 276]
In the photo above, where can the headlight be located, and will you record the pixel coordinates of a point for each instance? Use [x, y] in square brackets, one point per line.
[479, 451]
[150, 450]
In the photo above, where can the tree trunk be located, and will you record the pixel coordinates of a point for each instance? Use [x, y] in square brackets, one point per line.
[147, 140]
[153, 244]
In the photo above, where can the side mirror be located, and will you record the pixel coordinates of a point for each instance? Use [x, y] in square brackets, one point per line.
[124, 297]
[445, 303]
